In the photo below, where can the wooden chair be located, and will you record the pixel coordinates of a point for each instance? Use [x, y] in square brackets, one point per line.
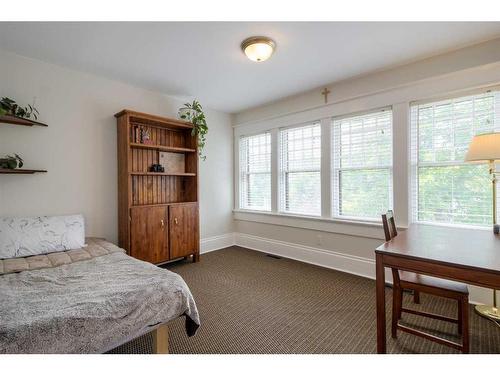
[430, 285]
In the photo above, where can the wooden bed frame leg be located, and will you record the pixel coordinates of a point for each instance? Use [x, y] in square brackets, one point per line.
[160, 340]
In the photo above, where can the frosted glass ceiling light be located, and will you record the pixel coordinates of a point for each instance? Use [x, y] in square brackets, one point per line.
[258, 48]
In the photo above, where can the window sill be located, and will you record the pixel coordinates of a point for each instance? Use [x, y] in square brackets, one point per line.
[462, 226]
[368, 229]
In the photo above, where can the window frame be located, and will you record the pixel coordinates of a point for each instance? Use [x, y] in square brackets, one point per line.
[247, 174]
[335, 180]
[400, 99]
[281, 173]
[415, 163]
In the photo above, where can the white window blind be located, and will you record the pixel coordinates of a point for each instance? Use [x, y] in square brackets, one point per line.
[255, 172]
[445, 189]
[300, 170]
[362, 165]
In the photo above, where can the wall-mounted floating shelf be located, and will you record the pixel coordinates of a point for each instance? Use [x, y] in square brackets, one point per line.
[14, 120]
[21, 171]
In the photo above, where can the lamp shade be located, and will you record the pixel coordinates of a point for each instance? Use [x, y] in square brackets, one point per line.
[484, 147]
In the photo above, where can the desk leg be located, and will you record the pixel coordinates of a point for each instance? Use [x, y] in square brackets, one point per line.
[380, 275]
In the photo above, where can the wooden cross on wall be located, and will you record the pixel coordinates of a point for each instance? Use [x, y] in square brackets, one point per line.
[325, 93]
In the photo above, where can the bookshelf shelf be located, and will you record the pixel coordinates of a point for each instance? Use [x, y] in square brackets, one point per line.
[163, 174]
[162, 148]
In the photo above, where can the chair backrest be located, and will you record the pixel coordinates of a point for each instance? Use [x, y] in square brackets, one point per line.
[389, 223]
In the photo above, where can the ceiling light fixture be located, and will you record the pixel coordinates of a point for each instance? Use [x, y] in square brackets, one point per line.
[258, 48]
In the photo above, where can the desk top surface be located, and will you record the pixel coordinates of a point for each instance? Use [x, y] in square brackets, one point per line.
[472, 248]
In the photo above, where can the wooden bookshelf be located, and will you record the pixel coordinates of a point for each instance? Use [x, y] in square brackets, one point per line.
[157, 211]
[21, 171]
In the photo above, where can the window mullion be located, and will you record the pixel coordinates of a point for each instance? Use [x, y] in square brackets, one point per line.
[326, 169]
[275, 160]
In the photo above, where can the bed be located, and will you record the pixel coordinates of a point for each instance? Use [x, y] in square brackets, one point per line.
[88, 300]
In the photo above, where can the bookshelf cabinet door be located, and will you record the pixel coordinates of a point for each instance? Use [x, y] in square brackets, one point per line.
[149, 234]
[184, 230]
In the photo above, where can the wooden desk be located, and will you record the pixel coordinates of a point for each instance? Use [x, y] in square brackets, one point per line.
[468, 255]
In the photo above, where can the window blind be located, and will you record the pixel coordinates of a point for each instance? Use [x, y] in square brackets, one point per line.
[362, 165]
[300, 170]
[255, 172]
[445, 189]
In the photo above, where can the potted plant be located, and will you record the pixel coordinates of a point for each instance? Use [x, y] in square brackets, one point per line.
[9, 107]
[193, 112]
[11, 162]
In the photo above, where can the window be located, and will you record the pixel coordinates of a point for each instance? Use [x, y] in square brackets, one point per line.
[255, 172]
[445, 189]
[300, 170]
[362, 165]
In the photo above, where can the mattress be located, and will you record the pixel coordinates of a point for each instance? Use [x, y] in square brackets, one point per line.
[87, 301]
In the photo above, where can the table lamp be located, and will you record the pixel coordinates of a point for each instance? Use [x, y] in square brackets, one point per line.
[486, 148]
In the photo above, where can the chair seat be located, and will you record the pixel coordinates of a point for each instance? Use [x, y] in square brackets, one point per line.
[429, 281]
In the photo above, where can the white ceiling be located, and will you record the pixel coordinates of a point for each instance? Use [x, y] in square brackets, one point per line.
[204, 59]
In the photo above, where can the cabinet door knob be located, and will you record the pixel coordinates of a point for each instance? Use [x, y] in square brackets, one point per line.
[176, 221]
[162, 223]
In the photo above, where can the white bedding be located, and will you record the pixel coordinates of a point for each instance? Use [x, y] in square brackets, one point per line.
[89, 306]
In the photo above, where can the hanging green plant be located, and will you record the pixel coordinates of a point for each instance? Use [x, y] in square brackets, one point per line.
[9, 107]
[193, 112]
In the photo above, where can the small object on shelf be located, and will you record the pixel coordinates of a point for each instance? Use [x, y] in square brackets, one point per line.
[137, 134]
[157, 168]
[146, 136]
[11, 162]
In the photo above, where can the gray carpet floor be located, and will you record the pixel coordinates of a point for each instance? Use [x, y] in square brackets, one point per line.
[252, 303]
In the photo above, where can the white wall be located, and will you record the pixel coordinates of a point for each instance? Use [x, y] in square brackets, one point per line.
[353, 244]
[473, 57]
[79, 147]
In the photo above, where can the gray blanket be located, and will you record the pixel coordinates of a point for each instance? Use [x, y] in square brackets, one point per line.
[89, 306]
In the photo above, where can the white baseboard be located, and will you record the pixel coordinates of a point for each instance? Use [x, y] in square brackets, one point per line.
[325, 258]
[343, 262]
[216, 242]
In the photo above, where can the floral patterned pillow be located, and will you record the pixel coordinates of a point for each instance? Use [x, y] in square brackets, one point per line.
[21, 237]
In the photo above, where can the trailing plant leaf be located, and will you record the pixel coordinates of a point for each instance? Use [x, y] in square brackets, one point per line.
[20, 161]
[193, 112]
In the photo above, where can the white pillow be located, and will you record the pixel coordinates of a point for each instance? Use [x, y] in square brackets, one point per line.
[20, 237]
